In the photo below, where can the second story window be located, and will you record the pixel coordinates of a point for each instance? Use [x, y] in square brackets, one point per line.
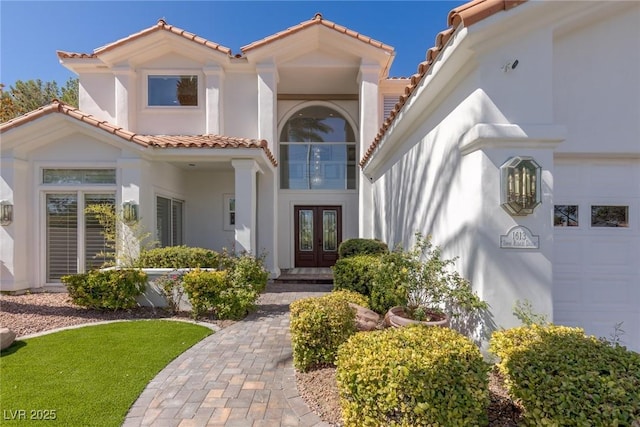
[172, 90]
[317, 151]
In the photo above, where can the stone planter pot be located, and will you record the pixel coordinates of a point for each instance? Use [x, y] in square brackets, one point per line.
[397, 318]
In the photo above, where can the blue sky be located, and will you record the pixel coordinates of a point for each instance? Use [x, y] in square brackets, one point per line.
[32, 31]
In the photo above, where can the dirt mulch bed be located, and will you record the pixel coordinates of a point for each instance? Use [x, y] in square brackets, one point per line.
[319, 389]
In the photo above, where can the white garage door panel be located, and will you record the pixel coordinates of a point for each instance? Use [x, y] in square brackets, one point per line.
[596, 270]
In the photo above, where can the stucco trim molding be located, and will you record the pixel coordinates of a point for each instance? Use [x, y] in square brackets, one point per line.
[492, 135]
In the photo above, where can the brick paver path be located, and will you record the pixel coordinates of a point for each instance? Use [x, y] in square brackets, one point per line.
[240, 376]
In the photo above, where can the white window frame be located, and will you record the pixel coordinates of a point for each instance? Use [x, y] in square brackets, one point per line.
[227, 211]
[40, 200]
[144, 89]
[182, 222]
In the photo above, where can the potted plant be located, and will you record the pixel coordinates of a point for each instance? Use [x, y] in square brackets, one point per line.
[428, 289]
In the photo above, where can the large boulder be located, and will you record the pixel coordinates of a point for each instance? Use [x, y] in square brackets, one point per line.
[7, 337]
[366, 320]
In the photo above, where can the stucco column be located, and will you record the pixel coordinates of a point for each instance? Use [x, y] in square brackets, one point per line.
[16, 238]
[246, 208]
[369, 112]
[213, 80]
[133, 184]
[268, 104]
[126, 99]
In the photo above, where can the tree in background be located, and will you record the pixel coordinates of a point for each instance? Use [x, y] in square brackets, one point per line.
[25, 96]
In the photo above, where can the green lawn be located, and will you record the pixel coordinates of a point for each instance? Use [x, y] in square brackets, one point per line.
[88, 376]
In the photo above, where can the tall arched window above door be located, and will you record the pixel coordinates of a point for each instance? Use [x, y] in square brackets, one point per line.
[317, 151]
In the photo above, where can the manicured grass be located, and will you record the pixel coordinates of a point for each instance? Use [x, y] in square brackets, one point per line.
[88, 376]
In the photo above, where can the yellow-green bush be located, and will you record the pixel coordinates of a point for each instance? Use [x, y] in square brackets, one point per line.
[355, 273]
[203, 289]
[564, 378]
[412, 376]
[348, 297]
[179, 257]
[106, 289]
[318, 326]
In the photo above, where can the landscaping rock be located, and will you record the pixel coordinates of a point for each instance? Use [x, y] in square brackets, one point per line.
[366, 320]
[7, 337]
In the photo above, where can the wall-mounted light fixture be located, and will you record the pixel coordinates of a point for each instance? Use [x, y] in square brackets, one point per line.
[130, 212]
[6, 212]
[520, 182]
[509, 66]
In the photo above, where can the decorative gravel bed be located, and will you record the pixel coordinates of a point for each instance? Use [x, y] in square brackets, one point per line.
[37, 312]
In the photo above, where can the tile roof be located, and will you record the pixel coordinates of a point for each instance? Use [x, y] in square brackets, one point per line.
[151, 141]
[462, 16]
[316, 20]
[160, 26]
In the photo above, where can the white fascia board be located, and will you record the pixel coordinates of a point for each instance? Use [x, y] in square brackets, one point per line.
[496, 135]
[201, 155]
[84, 65]
[444, 73]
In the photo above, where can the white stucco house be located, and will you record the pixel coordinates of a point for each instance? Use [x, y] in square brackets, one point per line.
[516, 146]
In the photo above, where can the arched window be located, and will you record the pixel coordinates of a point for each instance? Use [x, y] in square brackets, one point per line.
[317, 151]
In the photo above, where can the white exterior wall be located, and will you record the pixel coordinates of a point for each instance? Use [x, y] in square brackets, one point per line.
[443, 178]
[208, 231]
[596, 270]
[241, 105]
[96, 95]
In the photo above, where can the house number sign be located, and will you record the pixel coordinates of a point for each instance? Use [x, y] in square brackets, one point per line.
[519, 237]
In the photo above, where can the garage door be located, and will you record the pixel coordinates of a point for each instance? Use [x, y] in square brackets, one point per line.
[596, 269]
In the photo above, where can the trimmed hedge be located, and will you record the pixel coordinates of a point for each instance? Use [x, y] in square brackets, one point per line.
[179, 257]
[106, 289]
[412, 376]
[355, 273]
[348, 297]
[232, 293]
[563, 377]
[319, 325]
[353, 247]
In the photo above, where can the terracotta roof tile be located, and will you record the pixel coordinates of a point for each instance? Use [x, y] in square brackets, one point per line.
[153, 141]
[160, 26]
[316, 20]
[209, 141]
[462, 16]
[72, 55]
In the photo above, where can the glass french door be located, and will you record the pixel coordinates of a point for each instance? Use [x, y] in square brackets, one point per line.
[74, 239]
[318, 233]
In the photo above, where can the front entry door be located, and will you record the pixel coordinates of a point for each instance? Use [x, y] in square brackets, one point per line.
[318, 233]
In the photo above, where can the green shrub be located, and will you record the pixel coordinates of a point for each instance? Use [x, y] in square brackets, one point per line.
[348, 297]
[352, 247]
[355, 273]
[388, 288]
[231, 293]
[179, 257]
[563, 377]
[245, 270]
[318, 326]
[106, 289]
[412, 376]
[203, 289]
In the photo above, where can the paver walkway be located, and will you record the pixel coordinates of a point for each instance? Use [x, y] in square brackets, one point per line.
[240, 376]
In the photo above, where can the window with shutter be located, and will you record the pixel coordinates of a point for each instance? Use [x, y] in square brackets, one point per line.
[169, 221]
[66, 253]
